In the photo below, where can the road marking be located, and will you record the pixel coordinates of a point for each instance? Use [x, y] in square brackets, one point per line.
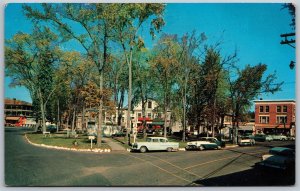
[208, 162]
[175, 166]
[189, 181]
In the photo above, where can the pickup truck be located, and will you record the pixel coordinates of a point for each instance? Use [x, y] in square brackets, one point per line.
[155, 144]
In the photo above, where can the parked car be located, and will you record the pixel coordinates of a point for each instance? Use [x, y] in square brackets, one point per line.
[279, 137]
[155, 144]
[279, 158]
[291, 138]
[51, 128]
[269, 138]
[204, 143]
[258, 137]
[246, 141]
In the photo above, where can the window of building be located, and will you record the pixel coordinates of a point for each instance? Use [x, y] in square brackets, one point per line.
[159, 115]
[281, 119]
[149, 115]
[284, 109]
[267, 109]
[261, 109]
[264, 119]
[278, 109]
[123, 119]
[149, 104]
[139, 115]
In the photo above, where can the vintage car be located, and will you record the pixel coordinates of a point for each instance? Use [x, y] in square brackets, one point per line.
[155, 144]
[269, 138]
[279, 158]
[279, 137]
[246, 141]
[204, 143]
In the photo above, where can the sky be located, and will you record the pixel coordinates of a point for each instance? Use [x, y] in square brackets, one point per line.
[251, 29]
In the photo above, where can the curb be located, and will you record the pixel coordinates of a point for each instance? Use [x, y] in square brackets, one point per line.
[69, 149]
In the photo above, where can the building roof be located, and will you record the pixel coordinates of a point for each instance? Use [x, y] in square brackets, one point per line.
[8, 101]
[283, 100]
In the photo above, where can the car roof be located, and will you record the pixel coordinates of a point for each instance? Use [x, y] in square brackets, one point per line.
[280, 149]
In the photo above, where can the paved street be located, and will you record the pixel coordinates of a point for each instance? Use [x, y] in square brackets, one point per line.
[27, 165]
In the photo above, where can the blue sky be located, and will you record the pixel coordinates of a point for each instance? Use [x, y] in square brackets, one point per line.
[251, 29]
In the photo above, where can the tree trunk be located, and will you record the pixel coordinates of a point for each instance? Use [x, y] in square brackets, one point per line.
[42, 111]
[129, 97]
[73, 119]
[83, 119]
[58, 122]
[99, 130]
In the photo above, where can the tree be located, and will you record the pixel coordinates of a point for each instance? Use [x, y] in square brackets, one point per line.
[249, 83]
[164, 65]
[128, 22]
[30, 60]
[94, 20]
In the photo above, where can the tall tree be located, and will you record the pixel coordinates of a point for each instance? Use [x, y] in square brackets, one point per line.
[251, 82]
[164, 65]
[128, 23]
[94, 21]
[30, 60]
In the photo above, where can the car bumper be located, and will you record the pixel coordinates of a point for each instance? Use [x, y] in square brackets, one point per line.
[245, 143]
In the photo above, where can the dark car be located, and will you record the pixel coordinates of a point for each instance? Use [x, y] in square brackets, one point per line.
[258, 137]
[279, 158]
[51, 128]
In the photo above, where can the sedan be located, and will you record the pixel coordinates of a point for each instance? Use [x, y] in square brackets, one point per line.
[204, 143]
[279, 158]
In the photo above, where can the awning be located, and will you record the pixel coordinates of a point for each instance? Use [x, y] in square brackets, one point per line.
[144, 119]
[12, 118]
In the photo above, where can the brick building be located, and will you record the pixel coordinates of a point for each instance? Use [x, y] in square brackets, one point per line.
[275, 116]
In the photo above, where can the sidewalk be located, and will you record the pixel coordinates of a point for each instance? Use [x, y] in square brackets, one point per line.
[115, 146]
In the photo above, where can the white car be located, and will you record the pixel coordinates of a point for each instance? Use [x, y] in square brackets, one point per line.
[279, 158]
[246, 140]
[155, 144]
[204, 143]
[269, 138]
[279, 137]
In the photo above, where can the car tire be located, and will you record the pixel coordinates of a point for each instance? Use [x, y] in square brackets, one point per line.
[143, 149]
[169, 149]
[201, 148]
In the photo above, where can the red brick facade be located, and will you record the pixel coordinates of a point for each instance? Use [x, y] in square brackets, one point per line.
[275, 116]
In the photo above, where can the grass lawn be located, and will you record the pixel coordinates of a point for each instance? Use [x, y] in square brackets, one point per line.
[61, 140]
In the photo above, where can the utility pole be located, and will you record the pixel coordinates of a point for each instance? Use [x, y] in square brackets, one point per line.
[289, 40]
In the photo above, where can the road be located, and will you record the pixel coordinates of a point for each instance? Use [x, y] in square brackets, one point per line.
[28, 165]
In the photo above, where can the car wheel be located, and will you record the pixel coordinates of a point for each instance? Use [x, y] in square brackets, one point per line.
[169, 149]
[201, 148]
[219, 147]
[143, 149]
